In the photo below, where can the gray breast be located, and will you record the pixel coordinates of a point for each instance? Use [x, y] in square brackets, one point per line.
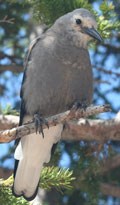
[54, 81]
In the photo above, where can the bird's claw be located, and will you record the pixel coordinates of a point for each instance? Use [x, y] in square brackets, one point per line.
[39, 122]
[80, 105]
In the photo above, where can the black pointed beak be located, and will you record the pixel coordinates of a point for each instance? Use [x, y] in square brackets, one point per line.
[93, 33]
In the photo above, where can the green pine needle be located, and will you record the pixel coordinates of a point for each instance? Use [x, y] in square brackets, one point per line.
[57, 178]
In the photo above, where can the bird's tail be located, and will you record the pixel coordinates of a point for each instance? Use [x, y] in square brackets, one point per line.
[32, 152]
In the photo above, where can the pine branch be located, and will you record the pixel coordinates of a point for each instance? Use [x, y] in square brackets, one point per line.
[57, 178]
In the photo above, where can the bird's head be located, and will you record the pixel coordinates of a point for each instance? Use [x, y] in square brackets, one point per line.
[79, 24]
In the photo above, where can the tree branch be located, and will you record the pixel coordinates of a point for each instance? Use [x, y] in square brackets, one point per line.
[12, 68]
[99, 130]
[73, 130]
[112, 48]
[109, 189]
[6, 20]
[8, 121]
[109, 72]
[110, 163]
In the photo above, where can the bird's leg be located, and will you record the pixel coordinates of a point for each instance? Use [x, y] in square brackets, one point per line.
[39, 122]
[80, 105]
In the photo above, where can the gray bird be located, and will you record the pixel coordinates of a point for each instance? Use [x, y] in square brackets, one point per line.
[57, 74]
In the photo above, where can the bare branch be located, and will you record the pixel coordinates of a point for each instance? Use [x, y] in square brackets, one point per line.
[109, 72]
[9, 135]
[14, 68]
[6, 20]
[96, 81]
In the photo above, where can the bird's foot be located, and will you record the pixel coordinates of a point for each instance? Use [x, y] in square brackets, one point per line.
[39, 122]
[79, 105]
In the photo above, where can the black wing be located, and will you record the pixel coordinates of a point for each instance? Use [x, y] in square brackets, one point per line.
[27, 59]
[22, 106]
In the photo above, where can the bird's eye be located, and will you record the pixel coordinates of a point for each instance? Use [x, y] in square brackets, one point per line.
[78, 21]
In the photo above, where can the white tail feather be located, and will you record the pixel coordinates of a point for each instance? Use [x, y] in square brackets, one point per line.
[36, 151]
